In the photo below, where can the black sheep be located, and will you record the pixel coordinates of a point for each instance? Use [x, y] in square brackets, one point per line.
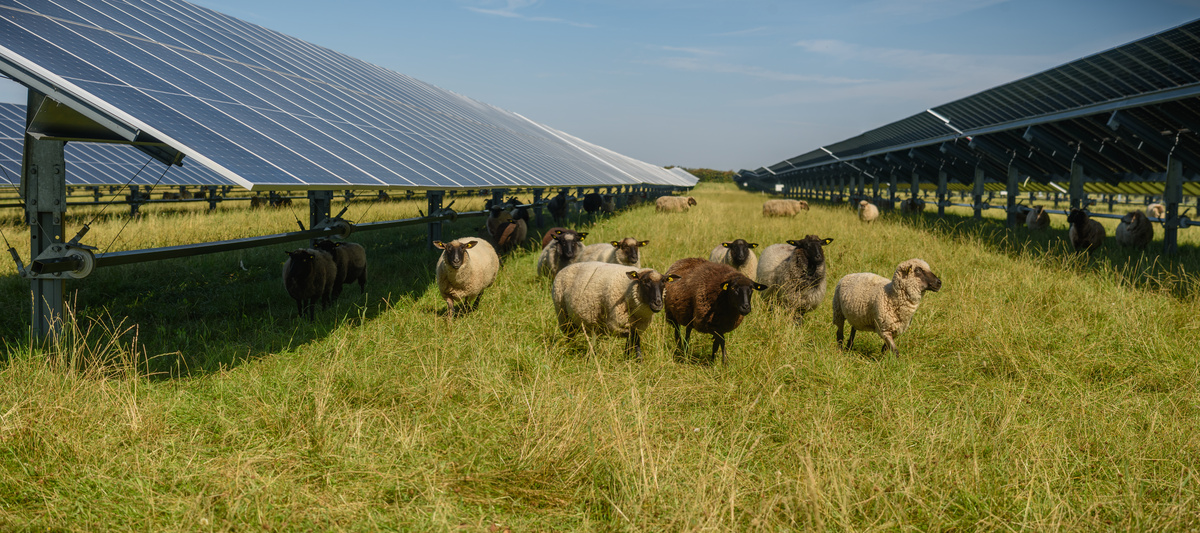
[308, 276]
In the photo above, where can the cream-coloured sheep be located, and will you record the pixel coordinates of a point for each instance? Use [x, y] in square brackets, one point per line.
[1135, 230]
[1037, 218]
[622, 252]
[783, 207]
[465, 268]
[669, 204]
[738, 254]
[563, 249]
[871, 302]
[1156, 211]
[607, 298]
[867, 212]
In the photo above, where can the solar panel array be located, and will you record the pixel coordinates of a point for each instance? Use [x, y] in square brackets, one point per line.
[95, 163]
[269, 111]
[1154, 81]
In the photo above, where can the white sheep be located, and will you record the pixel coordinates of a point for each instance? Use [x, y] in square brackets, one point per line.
[871, 302]
[465, 268]
[608, 298]
[738, 254]
[783, 207]
[867, 212]
[1156, 211]
[622, 252]
[669, 204]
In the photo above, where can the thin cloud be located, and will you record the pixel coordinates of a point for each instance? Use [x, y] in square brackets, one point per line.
[510, 10]
[923, 9]
[958, 66]
[697, 64]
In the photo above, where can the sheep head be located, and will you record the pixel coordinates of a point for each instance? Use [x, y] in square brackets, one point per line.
[650, 285]
[455, 252]
[629, 247]
[812, 247]
[736, 293]
[915, 274]
[739, 250]
[691, 200]
[1077, 216]
[569, 243]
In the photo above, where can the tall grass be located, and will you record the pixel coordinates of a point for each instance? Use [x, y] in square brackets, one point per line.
[1038, 390]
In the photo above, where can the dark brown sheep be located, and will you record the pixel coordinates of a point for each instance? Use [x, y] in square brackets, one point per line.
[308, 276]
[351, 261]
[558, 206]
[1086, 234]
[708, 297]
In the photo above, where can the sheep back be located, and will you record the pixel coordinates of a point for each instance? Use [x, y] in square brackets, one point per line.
[1156, 211]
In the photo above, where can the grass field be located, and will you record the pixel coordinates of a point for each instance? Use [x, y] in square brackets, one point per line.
[1038, 390]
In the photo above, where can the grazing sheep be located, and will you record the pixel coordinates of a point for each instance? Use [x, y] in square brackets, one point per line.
[497, 216]
[710, 298]
[783, 207]
[1037, 218]
[1085, 234]
[564, 248]
[912, 205]
[351, 261]
[465, 268]
[592, 203]
[669, 204]
[622, 252]
[867, 212]
[738, 254]
[308, 276]
[1156, 211]
[608, 298]
[637, 198]
[795, 274]
[1135, 230]
[609, 205]
[171, 196]
[550, 233]
[558, 206]
[871, 302]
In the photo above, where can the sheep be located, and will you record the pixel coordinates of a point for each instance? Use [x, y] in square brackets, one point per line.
[912, 205]
[1156, 211]
[795, 274]
[608, 298]
[497, 216]
[783, 207]
[550, 233]
[867, 212]
[564, 248]
[257, 202]
[308, 276]
[1135, 230]
[1085, 234]
[592, 202]
[710, 298]
[558, 206]
[674, 203]
[871, 302]
[351, 261]
[622, 252]
[465, 268]
[383, 197]
[738, 254]
[609, 205]
[1037, 218]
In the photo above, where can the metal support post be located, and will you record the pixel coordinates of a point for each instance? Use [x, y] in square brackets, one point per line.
[893, 185]
[538, 218]
[941, 193]
[212, 197]
[1013, 191]
[319, 204]
[875, 189]
[136, 199]
[1172, 197]
[977, 194]
[435, 227]
[498, 196]
[44, 188]
[1078, 196]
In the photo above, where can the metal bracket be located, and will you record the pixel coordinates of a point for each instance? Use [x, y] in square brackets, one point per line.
[343, 228]
[61, 261]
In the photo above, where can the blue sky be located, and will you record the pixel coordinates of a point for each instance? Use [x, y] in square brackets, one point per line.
[725, 84]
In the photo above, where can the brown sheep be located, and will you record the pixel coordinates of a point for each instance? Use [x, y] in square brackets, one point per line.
[1135, 230]
[1085, 234]
[351, 261]
[710, 298]
[308, 276]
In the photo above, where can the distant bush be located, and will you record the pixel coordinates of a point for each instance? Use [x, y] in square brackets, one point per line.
[708, 175]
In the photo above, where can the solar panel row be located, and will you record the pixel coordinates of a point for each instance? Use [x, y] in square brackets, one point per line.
[268, 111]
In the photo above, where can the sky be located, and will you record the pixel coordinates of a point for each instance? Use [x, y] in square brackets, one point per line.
[722, 84]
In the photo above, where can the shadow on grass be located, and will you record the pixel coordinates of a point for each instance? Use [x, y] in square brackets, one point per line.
[213, 312]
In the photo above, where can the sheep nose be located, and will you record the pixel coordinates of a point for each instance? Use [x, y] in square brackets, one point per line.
[936, 285]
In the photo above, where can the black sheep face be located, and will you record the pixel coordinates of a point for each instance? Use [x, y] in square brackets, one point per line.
[650, 286]
[737, 293]
[569, 243]
[1077, 216]
[739, 250]
[812, 246]
[455, 252]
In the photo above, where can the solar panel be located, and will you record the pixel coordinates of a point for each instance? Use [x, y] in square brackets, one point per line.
[95, 163]
[269, 111]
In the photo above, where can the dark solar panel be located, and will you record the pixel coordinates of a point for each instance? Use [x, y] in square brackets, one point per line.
[270, 111]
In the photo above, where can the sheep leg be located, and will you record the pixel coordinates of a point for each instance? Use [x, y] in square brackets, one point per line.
[634, 344]
[850, 342]
[449, 308]
[475, 304]
[888, 343]
[687, 340]
[841, 323]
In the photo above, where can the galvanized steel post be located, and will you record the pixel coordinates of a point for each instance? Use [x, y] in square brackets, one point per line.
[977, 194]
[941, 193]
[1013, 191]
[44, 188]
[1078, 196]
[435, 227]
[1172, 197]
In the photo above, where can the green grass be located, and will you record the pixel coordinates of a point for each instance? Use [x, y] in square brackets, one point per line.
[1038, 390]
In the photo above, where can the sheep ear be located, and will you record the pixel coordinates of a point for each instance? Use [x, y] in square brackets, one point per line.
[726, 244]
[558, 232]
[439, 245]
[470, 244]
[754, 245]
[632, 274]
[616, 244]
[582, 235]
[725, 286]
[672, 277]
[905, 270]
[760, 287]
[643, 243]
[794, 242]
[826, 241]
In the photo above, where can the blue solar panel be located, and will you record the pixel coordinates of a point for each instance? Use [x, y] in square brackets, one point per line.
[269, 111]
[95, 163]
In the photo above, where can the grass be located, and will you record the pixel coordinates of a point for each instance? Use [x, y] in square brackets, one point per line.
[1038, 390]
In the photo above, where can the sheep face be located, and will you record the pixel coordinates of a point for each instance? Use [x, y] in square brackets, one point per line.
[736, 294]
[455, 252]
[1077, 216]
[812, 246]
[650, 285]
[691, 200]
[739, 250]
[629, 246]
[1135, 219]
[569, 244]
[915, 274]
